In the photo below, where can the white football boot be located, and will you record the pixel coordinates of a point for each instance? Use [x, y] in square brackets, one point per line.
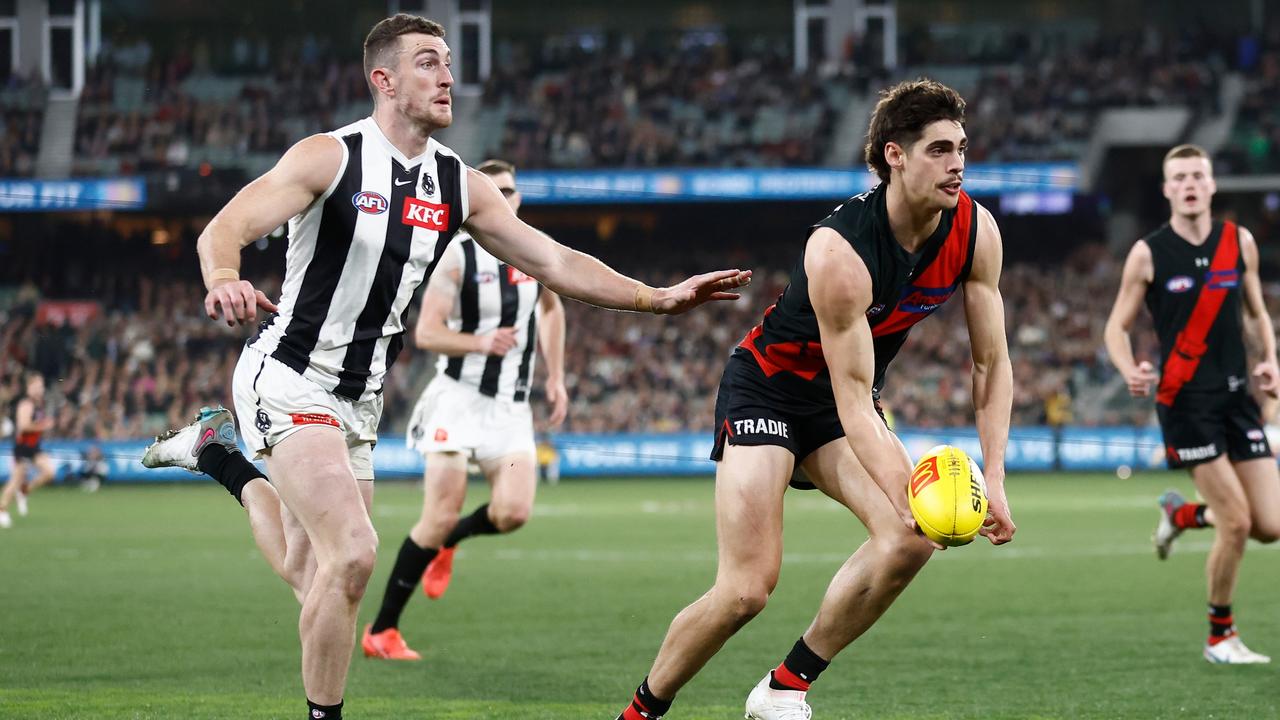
[765, 703]
[20, 500]
[182, 447]
[6, 522]
[1166, 532]
[1233, 652]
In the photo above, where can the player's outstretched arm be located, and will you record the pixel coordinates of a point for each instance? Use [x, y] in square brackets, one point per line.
[1257, 320]
[302, 174]
[578, 275]
[551, 343]
[840, 291]
[1139, 270]
[432, 332]
[992, 372]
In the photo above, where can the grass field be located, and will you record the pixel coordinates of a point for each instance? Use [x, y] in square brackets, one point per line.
[150, 602]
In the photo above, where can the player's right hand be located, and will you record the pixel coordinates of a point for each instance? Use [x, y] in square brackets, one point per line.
[499, 342]
[237, 301]
[1140, 379]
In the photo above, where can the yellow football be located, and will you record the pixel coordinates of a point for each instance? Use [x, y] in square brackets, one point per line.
[948, 496]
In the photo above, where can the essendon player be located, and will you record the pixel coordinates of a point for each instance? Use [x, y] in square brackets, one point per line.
[1199, 279]
[802, 388]
[30, 424]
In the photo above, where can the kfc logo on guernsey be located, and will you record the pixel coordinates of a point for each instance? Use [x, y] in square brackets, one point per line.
[427, 215]
[516, 276]
[370, 202]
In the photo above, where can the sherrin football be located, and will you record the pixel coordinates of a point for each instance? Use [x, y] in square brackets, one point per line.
[948, 496]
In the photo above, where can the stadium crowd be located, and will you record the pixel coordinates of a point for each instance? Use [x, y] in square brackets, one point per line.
[143, 357]
[712, 103]
[22, 103]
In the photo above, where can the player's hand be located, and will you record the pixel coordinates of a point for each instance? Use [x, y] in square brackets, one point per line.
[1140, 379]
[237, 302]
[558, 398]
[1268, 376]
[699, 289]
[498, 343]
[998, 526]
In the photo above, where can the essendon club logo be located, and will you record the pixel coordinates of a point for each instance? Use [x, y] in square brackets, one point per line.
[925, 475]
[516, 276]
[427, 215]
[370, 202]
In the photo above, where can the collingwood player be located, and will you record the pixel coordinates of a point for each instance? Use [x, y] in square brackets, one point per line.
[1199, 280]
[484, 318]
[371, 209]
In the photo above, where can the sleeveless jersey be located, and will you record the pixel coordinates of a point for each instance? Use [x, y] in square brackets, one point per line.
[357, 255]
[906, 288]
[492, 294]
[30, 439]
[1195, 302]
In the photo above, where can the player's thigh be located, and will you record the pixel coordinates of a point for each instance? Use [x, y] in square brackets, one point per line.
[1260, 479]
[750, 482]
[44, 465]
[513, 481]
[1218, 484]
[836, 471]
[312, 472]
[18, 473]
[444, 484]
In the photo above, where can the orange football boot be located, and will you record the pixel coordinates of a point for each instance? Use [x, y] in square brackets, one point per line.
[388, 645]
[435, 579]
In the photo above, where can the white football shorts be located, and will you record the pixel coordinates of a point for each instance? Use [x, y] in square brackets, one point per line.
[274, 402]
[454, 417]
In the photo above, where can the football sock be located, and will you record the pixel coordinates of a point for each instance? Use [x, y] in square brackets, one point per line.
[228, 467]
[324, 712]
[1221, 624]
[410, 563]
[1190, 516]
[644, 706]
[477, 523]
[799, 670]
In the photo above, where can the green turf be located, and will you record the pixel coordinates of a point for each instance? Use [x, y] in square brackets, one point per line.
[150, 602]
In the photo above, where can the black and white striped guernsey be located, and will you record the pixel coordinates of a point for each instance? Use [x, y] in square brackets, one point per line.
[493, 294]
[357, 255]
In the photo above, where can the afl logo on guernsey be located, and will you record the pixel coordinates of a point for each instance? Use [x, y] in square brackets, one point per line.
[1179, 284]
[370, 202]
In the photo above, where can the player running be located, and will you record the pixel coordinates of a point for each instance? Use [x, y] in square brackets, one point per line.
[803, 389]
[371, 209]
[1199, 279]
[484, 318]
[30, 424]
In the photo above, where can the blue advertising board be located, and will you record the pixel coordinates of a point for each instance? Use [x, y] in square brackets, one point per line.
[681, 454]
[24, 195]
[1024, 182]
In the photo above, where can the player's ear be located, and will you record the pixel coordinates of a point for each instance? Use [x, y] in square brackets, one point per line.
[894, 154]
[383, 81]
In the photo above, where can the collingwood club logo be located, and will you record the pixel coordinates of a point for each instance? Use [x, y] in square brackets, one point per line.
[428, 184]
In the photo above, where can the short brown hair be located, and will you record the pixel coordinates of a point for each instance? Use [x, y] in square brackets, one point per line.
[903, 113]
[493, 166]
[384, 40]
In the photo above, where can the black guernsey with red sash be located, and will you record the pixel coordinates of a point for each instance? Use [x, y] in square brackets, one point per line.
[1195, 301]
[27, 444]
[906, 288]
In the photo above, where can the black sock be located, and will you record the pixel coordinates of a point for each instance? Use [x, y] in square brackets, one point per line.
[228, 467]
[477, 523]
[1201, 509]
[799, 670]
[646, 705]
[1220, 621]
[405, 575]
[324, 712]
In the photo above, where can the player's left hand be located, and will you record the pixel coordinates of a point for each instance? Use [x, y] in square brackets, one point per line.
[1268, 376]
[998, 526]
[558, 398]
[699, 289]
